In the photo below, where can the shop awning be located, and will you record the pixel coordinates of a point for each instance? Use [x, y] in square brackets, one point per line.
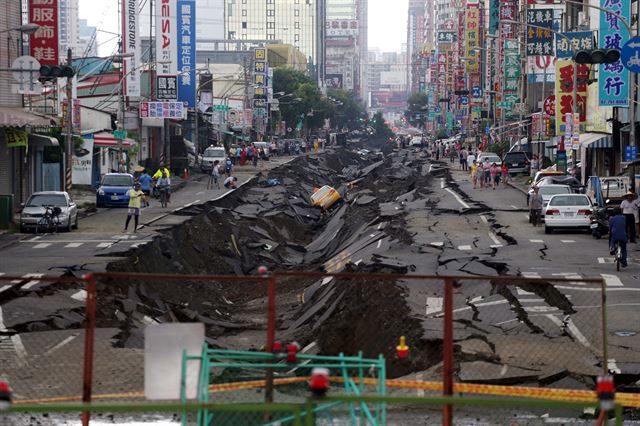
[106, 139]
[596, 140]
[42, 139]
[17, 117]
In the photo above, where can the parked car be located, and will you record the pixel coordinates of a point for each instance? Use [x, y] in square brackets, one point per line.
[210, 155]
[574, 183]
[416, 141]
[568, 211]
[34, 208]
[493, 158]
[114, 190]
[517, 161]
[544, 173]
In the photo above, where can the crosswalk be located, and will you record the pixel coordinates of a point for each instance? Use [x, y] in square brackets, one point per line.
[609, 279]
[97, 244]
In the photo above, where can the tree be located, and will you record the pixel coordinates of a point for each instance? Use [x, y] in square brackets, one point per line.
[416, 108]
[380, 127]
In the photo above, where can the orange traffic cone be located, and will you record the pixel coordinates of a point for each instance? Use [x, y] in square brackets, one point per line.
[185, 173]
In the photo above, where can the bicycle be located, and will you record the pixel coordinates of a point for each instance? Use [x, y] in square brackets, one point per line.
[618, 255]
[50, 220]
[163, 196]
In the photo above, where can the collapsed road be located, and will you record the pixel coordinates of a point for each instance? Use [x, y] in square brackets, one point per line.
[401, 213]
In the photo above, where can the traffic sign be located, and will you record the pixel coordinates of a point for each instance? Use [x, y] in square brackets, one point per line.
[476, 109]
[476, 92]
[549, 105]
[464, 100]
[25, 69]
[630, 54]
[119, 134]
[630, 153]
[505, 104]
[220, 108]
[437, 109]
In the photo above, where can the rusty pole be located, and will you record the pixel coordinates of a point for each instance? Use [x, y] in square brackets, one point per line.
[447, 352]
[271, 337]
[89, 335]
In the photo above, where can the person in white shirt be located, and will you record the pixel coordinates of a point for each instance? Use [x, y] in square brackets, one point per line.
[470, 159]
[629, 208]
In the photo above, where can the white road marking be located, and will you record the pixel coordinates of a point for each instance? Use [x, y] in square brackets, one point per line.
[73, 245]
[61, 344]
[442, 183]
[41, 245]
[522, 292]
[606, 260]
[527, 216]
[484, 218]
[541, 309]
[537, 241]
[571, 327]
[433, 305]
[464, 247]
[5, 288]
[612, 280]
[494, 238]
[436, 244]
[379, 225]
[496, 245]
[457, 197]
[420, 378]
[2, 326]
[357, 262]
[479, 305]
[104, 245]
[2, 273]
[612, 366]
[568, 241]
[80, 296]
[514, 207]
[530, 274]
[570, 275]
[530, 300]
[200, 193]
[31, 283]
[19, 347]
[379, 243]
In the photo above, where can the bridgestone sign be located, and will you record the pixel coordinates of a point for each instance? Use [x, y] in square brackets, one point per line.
[131, 44]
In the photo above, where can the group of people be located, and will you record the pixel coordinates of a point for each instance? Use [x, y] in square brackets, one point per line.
[220, 169]
[140, 194]
[487, 174]
[244, 154]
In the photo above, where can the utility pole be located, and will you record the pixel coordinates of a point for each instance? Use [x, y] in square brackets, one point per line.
[69, 123]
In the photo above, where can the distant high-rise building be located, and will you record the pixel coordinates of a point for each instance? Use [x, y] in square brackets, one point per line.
[210, 19]
[292, 22]
[68, 27]
[415, 43]
[87, 45]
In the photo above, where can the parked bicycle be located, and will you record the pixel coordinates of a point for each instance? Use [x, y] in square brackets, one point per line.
[50, 220]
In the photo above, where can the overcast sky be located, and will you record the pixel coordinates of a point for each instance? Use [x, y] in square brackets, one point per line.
[387, 22]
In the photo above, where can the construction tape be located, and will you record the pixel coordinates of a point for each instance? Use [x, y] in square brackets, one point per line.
[568, 395]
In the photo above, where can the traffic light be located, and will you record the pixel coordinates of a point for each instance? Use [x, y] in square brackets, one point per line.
[52, 72]
[596, 56]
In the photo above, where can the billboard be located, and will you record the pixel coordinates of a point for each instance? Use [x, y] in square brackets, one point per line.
[131, 44]
[166, 37]
[472, 30]
[613, 81]
[43, 44]
[564, 92]
[393, 78]
[341, 28]
[333, 81]
[187, 52]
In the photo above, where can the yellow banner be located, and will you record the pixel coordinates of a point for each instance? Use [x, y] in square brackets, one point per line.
[16, 138]
[472, 26]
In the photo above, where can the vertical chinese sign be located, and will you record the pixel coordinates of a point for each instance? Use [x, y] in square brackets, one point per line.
[131, 44]
[539, 35]
[564, 93]
[472, 25]
[613, 81]
[166, 37]
[260, 91]
[44, 42]
[187, 52]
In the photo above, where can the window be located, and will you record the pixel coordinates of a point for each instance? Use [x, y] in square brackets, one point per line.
[296, 37]
[269, 1]
[232, 35]
[244, 12]
[244, 1]
[271, 12]
[271, 25]
[296, 2]
[244, 25]
[296, 12]
[271, 36]
[296, 25]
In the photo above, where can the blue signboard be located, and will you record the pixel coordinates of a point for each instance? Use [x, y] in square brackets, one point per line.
[437, 109]
[539, 39]
[186, 23]
[569, 43]
[613, 81]
[630, 153]
[630, 55]
[464, 100]
[476, 92]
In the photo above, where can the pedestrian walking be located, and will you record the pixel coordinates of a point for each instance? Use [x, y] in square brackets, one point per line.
[228, 167]
[535, 165]
[471, 158]
[494, 173]
[535, 206]
[486, 166]
[135, 196]
[474, 174]
[629, 210]
[214, 177]
[504, 170]
[145, 181]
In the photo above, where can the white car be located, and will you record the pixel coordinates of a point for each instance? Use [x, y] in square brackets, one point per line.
[35, 206]
[548, 191]
[493, 158]
[568, 211]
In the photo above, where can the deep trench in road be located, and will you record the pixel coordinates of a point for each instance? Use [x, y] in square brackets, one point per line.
[386, 223]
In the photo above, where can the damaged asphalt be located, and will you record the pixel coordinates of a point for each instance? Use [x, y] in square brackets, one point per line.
[402, 214]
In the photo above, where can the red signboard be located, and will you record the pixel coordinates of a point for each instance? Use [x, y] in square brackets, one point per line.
[549, 105]
[44, 42]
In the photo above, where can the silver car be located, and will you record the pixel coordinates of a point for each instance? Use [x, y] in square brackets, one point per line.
[34, 209]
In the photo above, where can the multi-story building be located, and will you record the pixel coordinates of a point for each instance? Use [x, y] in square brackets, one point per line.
[386, 81]
[87, 45]
[210, 19]
[289, 21]
[69, 27]
[415, 39]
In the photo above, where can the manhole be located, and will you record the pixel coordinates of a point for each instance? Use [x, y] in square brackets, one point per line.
[625, 333]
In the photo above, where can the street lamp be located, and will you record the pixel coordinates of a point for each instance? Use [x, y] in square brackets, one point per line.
[29, 28]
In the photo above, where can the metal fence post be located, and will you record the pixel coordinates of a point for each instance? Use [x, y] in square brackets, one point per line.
[447, 352]
[271, 337]
[89, 335]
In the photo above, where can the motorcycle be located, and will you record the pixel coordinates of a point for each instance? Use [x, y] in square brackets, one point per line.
[600, 222]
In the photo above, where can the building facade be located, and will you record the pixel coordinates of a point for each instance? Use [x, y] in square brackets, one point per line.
[69, 27]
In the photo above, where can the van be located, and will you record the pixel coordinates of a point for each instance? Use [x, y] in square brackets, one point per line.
[263, 145]
[210, 155]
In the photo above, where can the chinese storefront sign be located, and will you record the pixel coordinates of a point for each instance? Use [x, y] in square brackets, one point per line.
[162, 110]
[131, 36]
[44, 42]
[508, 12]
[494, 16]
[187, 52]
[539, 38]
[167, 87]
[512, 66]
[472, 30]
[613, 81]
[16, 138]
[540, 66]
[446, 37]
[166, 37]
[75, 118]
[569, 43]
[564, 93]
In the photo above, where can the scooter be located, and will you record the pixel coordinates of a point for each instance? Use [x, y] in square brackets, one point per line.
[600, 222]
